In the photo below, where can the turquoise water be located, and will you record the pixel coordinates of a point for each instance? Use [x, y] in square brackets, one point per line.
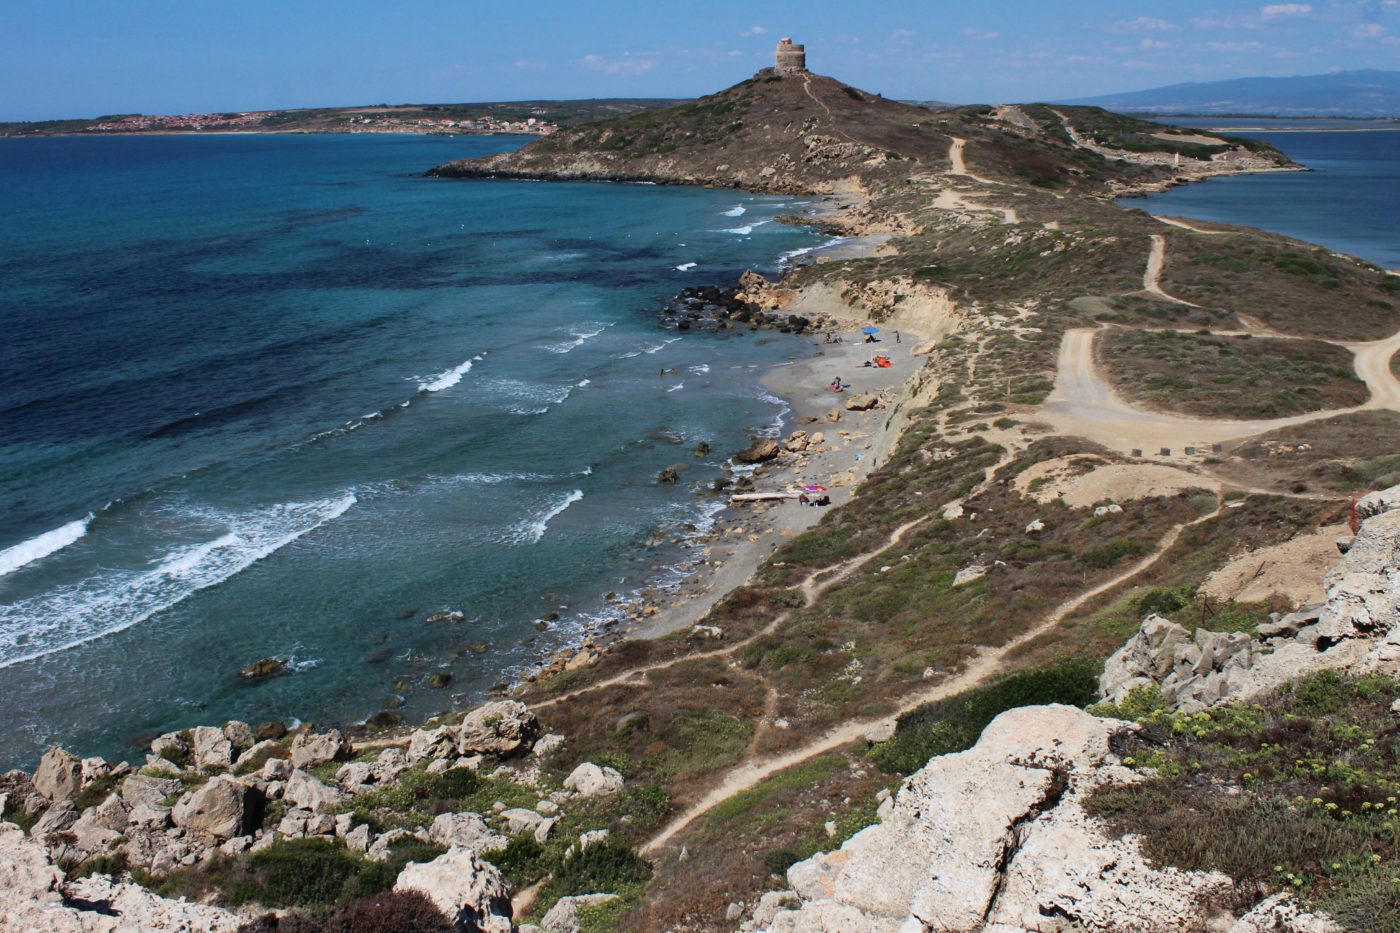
[1349, 202]
[284, 396]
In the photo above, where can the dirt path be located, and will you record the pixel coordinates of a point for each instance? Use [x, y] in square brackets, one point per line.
[959, 167]
[983, 666]
[1185, 226]
[1152, 275]
[810, 589]
[1084, 404]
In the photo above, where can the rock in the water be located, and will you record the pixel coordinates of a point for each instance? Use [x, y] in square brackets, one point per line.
[439, 679]
[563, 916]
[589, 780]
[502, 728]
[306, 792]
[308, 750]
[261, 670]
[59, 775]
[668, 475]
[862, 402]
[469, 891]
[223, 808]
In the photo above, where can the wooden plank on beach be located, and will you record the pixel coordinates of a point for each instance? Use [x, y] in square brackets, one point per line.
[756, 496]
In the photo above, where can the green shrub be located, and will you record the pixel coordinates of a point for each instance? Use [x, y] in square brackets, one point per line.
[1102, 558]
[313, 873]
[604, 866]
[954, 724]
[521, 861]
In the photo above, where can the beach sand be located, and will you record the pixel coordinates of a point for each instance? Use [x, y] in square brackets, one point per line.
[746, 534]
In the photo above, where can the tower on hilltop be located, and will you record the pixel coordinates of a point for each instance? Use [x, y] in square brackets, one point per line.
[791, 58]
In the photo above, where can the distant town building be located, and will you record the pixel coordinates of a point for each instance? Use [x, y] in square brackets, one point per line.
[791, 58]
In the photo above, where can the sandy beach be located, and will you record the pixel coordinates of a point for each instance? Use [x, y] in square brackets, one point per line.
[746, 533]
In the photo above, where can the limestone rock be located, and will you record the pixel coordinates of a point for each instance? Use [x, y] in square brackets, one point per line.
[502, 728]
[797, 442]
[817, 439]
[1282, 913]
[431, 743]
[834, 415]
[259, 754]
[969, 573]
[563, 916]
[239, 733]
[56, 819]
[359, 838]
[59, 775]
[760, 451]
[862, 402]
[211, 747]
[261, 670]
[308, 750]
[223, 808]
[996, 837]
[469, 891]
[519, 820]
[467, 831]
[589, 780]
[305, 791]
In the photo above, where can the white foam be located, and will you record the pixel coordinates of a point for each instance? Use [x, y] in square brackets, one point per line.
[734, 211]
[41, 546]
[660, 346]
[679, 385]
[580, 337]
[701, 369]
[804, 250]
[740, 231]
[582, 383]
[685, 267]
[532, 530]
[448, 379]
[113, 601]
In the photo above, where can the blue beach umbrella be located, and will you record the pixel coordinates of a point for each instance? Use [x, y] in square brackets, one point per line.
[871, 330]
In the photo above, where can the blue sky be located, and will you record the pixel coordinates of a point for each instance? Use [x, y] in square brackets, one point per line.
[82, 58]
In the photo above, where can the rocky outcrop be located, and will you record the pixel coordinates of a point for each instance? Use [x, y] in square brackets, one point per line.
[223, 808]
[307, 793]
[995, 838]
[471, 892]
[34, 896]
[467, 831]
[1356, 629]
[502, 728]
[315, 749]
[59, 775]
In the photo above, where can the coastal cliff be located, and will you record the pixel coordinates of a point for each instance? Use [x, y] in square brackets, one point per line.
[883, 727]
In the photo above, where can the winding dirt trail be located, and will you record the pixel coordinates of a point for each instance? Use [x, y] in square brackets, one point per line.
[1172, 221]
[1152, 275]
[959, 167]
[1084, 404]
[809, 588]
[983, 666]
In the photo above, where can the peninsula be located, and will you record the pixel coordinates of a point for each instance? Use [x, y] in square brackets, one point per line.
[1125, 472]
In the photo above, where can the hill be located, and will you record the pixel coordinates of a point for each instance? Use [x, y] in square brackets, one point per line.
[1346, 93]
[810, 133]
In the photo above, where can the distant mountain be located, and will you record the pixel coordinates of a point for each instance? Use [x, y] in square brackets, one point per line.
[1345, 93]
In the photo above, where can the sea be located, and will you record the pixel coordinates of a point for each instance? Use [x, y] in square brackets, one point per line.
[1348, 201]
[286, 397]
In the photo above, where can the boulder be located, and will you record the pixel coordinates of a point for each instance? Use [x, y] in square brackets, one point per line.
[520, 820]
[467, 831]
[318, 748]
[304, 791]
[431, 743]
[834, 415]
[668, 475]
[798, 442]
[56, 819]
[816, 439]
[469, 891]
[239, 733]
[359, 838]
[996, 838]
[862, 402]
[269, 731]
[563, 916]
[589, 780]
[1282, 913]
[381, 848]
[502, 728]
[760, 451]
[59, 775]
[223, 808]
[257, 756]
[969, 573]
[211, 748]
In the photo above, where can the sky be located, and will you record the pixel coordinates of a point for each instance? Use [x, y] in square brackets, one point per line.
[85, 58]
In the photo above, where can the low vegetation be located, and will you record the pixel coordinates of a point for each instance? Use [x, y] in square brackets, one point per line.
[1296, 792]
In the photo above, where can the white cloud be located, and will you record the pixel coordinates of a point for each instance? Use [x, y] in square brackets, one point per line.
[1142, 24]
[628, 64]
[528, 65]
[1281, 10]
[909, 33]
[754, 31]
[979, 34]
[1369, 31]
[1154, 44]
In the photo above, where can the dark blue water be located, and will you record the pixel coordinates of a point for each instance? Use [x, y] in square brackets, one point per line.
[268, 396]
[1349, 202]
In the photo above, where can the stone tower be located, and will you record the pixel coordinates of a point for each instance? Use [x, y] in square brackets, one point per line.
[791, 59]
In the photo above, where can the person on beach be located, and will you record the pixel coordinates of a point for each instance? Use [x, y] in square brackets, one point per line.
[836, 384]
[896, 336]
